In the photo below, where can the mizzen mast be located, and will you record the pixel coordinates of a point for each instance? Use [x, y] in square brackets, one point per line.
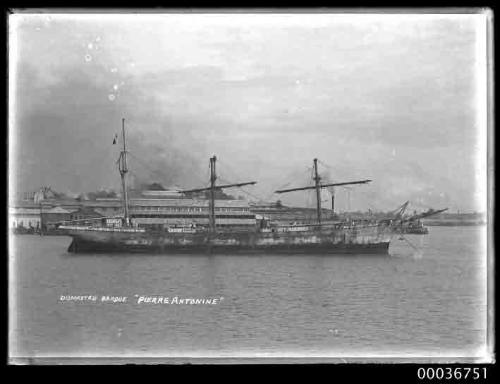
[318, 190]
[317, 186]
[213, 178]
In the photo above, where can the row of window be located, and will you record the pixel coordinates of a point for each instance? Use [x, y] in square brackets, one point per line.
[78, 217]
[182, 209]
[163, 226]
[145, 216]
[27, 223]
[185, 209]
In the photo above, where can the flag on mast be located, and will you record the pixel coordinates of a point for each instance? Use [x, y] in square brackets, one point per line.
[115, 138]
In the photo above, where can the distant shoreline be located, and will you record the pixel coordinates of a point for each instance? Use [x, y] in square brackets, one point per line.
[453, 223]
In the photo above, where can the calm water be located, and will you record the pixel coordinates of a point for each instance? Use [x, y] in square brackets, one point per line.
[426, 302]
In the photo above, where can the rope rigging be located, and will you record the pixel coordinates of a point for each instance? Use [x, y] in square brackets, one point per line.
[289, 180]
[151, 170]
[361, 193]
[233, 176]
[242, 189]
[320, 184]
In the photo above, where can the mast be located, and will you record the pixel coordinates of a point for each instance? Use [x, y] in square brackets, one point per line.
[333, 200]
[122, 167]
[41, 219]
[318, 191]
[213, 177]
[317, 186]
[212, 189]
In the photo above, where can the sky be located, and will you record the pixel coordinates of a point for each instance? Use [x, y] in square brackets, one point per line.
[398, 99]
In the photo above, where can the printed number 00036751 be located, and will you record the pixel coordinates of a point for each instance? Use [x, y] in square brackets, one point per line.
[451, 373]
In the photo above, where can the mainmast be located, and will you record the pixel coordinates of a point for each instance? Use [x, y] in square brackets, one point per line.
[317, 186]
[122, 167]
[212, 189]
[318, 190]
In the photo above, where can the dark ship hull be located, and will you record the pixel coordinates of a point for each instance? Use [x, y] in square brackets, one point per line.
[361, 240]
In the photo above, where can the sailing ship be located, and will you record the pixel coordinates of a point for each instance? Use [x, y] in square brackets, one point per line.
[321, 237]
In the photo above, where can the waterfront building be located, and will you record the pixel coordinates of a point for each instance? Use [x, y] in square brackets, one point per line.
[24, 217]
[158, 209]
[25, 214]
[177, 211]
[52, 216]
[84, 213]
[169, 207]
[168, 212]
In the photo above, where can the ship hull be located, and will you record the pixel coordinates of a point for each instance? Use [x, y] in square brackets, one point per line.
[359, 241]
[79, 245]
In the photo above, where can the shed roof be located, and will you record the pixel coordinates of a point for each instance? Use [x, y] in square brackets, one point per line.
[57, 210]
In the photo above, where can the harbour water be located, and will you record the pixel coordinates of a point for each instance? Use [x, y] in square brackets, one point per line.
[428, 299]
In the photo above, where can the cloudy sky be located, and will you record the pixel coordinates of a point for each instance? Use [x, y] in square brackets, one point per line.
[398, 99]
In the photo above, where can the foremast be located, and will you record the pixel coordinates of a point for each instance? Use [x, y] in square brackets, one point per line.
[122, 167]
